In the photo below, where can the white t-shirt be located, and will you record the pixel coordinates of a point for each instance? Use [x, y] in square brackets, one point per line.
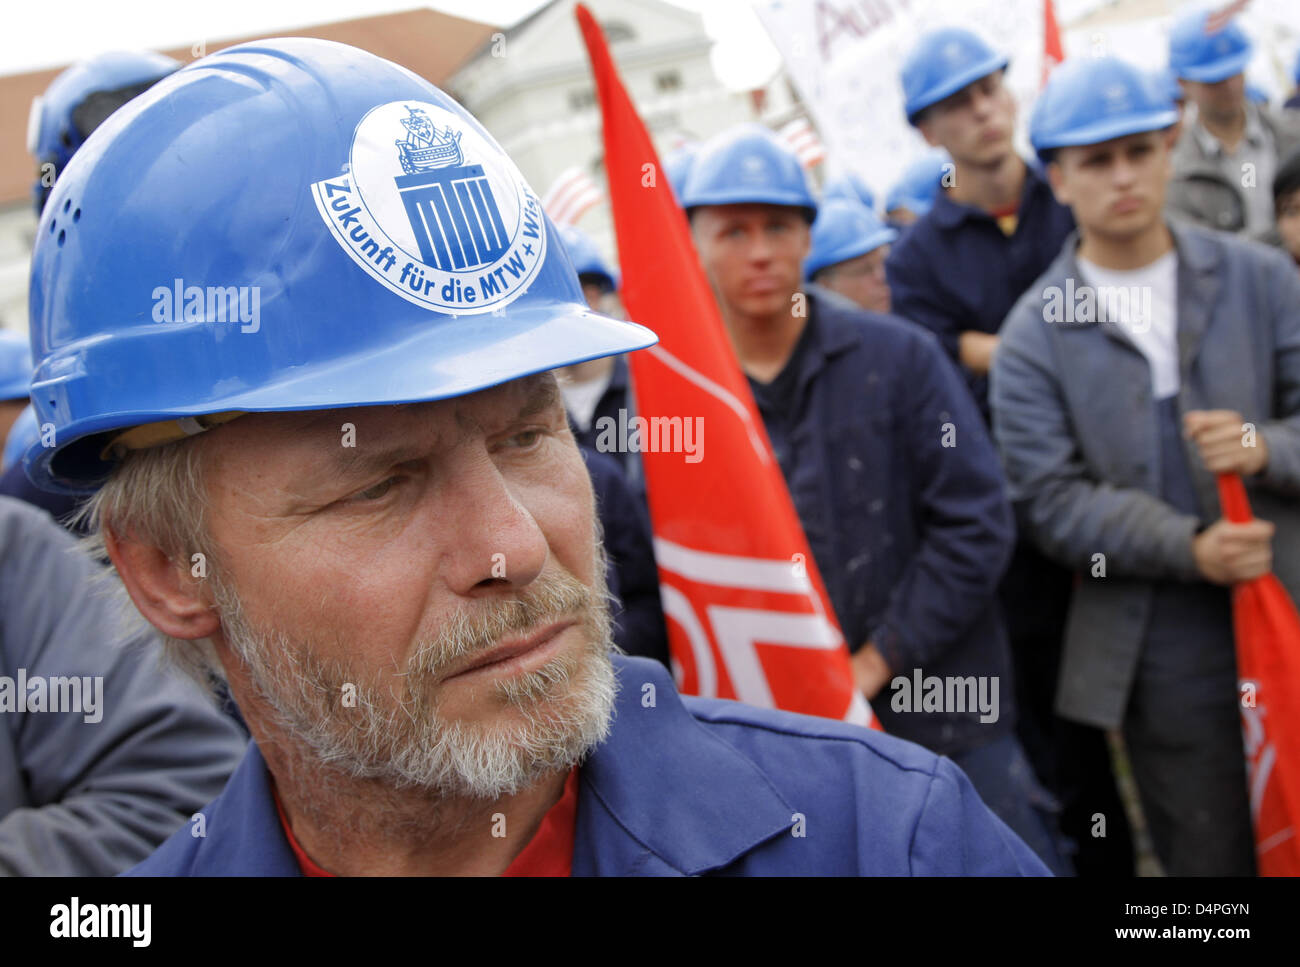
[1144, 304]
[580, 399]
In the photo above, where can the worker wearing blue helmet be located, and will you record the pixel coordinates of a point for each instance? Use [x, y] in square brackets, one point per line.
[1230, 147]
[993, 228]
[910, 533]
[596, 389]
[849, 187]
[848, 252]
[1150, 357]
[15, 377]
[594, 392]
[79, 100]
[677, 165]
[333, 468]
[914, 193]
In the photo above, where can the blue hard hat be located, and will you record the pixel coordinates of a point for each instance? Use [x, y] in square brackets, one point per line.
[1195, 55]
[1093, 99]
[586, 257]
[920, 184]
[288, 225]
[850, 187]
[81, 98]
[23, 435]
[744, 164]
[942, 63]
[677, 166]
[15, 366]
[844, 230]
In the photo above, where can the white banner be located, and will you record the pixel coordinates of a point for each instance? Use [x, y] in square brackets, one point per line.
[845, 58]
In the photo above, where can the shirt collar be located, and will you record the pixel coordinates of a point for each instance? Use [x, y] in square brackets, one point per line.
[243, 832]
[949, 214]
[1254, 134]
[824, 336]
[681, 799]
[1197, 255]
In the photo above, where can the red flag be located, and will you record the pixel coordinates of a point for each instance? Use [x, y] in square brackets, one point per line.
[1053, 51]
[748, 616]
[1268, 666]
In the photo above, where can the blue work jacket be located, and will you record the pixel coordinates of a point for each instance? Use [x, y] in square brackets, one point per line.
[897, 484]
[955, 270]
[688, 786]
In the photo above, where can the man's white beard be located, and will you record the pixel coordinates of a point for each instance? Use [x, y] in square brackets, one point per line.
[394, 733]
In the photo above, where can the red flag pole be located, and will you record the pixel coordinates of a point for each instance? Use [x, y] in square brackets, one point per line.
[747, 611]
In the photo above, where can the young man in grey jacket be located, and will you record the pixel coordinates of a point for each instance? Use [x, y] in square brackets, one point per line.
[1147, 359]
[103, 753]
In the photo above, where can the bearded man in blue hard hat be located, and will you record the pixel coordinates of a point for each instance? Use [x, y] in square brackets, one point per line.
[1150, 357]
[333, 467]
[888, 463]
[993, 228]
[1230, 148]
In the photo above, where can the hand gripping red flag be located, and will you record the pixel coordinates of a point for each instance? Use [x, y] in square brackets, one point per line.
[1268, 667]
[748, 616]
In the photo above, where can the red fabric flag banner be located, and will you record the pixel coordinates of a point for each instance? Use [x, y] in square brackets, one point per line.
[748, 616]
[1267, 629]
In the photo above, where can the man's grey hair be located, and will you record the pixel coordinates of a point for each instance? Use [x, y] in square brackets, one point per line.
[158, 496]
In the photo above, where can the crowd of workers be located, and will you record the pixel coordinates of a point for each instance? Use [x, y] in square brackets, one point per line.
[1000, 406]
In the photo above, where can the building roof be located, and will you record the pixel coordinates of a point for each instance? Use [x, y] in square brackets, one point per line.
[433, 45]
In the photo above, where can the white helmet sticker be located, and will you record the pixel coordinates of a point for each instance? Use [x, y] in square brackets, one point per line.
[434, 211]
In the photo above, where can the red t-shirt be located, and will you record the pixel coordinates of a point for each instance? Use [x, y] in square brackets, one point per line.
[548, 853]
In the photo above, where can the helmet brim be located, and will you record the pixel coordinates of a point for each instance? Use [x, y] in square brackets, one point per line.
[1219, 70]
[440, 362]
[1107, 130]
[953, 84]
[867, 244]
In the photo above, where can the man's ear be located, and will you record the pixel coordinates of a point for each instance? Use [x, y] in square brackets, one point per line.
[163, 590]
[1054, 179]
[927, 130]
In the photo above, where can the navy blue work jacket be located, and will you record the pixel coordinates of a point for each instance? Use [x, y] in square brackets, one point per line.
[899, 490]
[956, 271]
[691, 786]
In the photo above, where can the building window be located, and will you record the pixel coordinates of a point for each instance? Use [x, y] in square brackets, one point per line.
[618, 30]
[668, 81]
[582, 100]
